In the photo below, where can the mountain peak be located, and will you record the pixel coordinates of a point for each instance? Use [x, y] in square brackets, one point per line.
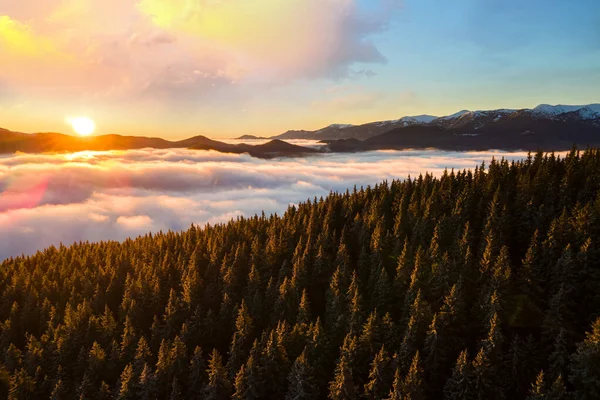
[340, 126]
[422, 119]
[456, 115]
[550, 110]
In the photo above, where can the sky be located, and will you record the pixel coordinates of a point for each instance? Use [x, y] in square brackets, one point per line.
[48, 199]
[224, 68]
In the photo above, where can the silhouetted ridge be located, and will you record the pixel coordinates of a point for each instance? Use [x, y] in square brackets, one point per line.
[11, 142]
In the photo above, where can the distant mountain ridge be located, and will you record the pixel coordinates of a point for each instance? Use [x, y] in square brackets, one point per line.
[361, 132]
[250, 137]
[12, 142]
[545, 127]
[585, 113]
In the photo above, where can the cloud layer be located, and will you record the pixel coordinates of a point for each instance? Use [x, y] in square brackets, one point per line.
[48, 199]
[164, 47]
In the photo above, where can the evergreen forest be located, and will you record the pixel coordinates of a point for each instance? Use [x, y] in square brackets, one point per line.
[479, 284]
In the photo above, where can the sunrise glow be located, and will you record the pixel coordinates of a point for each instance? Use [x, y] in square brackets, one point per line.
[174, 68]
[83, 126]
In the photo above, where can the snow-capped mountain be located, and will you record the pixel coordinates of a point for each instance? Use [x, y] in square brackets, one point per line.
[589, 111]
[586, 112]
[418, 119]
[361, 132]
[468, 121]
[455, 115]
[405, 121]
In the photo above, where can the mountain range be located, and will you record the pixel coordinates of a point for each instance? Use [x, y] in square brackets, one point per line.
[11, 142]
[545, 127]
[464, 122]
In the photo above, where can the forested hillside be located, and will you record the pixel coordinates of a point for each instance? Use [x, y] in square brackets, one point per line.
[481, 284]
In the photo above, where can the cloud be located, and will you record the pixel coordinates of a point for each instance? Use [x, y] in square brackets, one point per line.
[135, 222]
[184, 49]
[153, 39]
[286, 38]
[48, 199]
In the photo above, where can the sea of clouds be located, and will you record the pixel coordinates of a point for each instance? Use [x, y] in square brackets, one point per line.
[46, 199]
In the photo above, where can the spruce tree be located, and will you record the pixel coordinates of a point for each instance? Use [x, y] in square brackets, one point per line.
[461, 384]
[413, 387]
[218, 386]
[585, 365]
[302, 383]
[377, 386]
[343, 386]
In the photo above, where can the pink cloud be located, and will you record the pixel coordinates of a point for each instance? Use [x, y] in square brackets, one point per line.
[135, 222]
[116, 195]
[152, 47]
[98, 217]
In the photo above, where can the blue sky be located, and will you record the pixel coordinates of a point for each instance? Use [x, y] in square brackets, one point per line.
[494, 53]
[181, 67]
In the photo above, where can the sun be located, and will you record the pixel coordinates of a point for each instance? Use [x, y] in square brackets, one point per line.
[83, 126]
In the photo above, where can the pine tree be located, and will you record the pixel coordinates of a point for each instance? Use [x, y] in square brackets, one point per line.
[128, 340]
[335, 312]
[522, 362]
[559, 358]
[319, 354]
[146, 386]
[175, 391]
[304, 314]
[104, 392]
[403, 273]
[379, 377]
[382, 291]
[126, 384]
[164, 367]
[274, 366]
[355, 306]
[143, 356]
[302, 384]
[396, 391]
[461, 385]
[243, 390]
[485, 380]
[197, 376]
[413, 387]
[59, 392]
[218, 386]
[371, 337]
[531, 276]
[21, 386]
[558, 391]
[443, 339]
[343, 387]
[178, 358]
[541, 391]
[415, 331]
[585, 365]
[538, 389]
